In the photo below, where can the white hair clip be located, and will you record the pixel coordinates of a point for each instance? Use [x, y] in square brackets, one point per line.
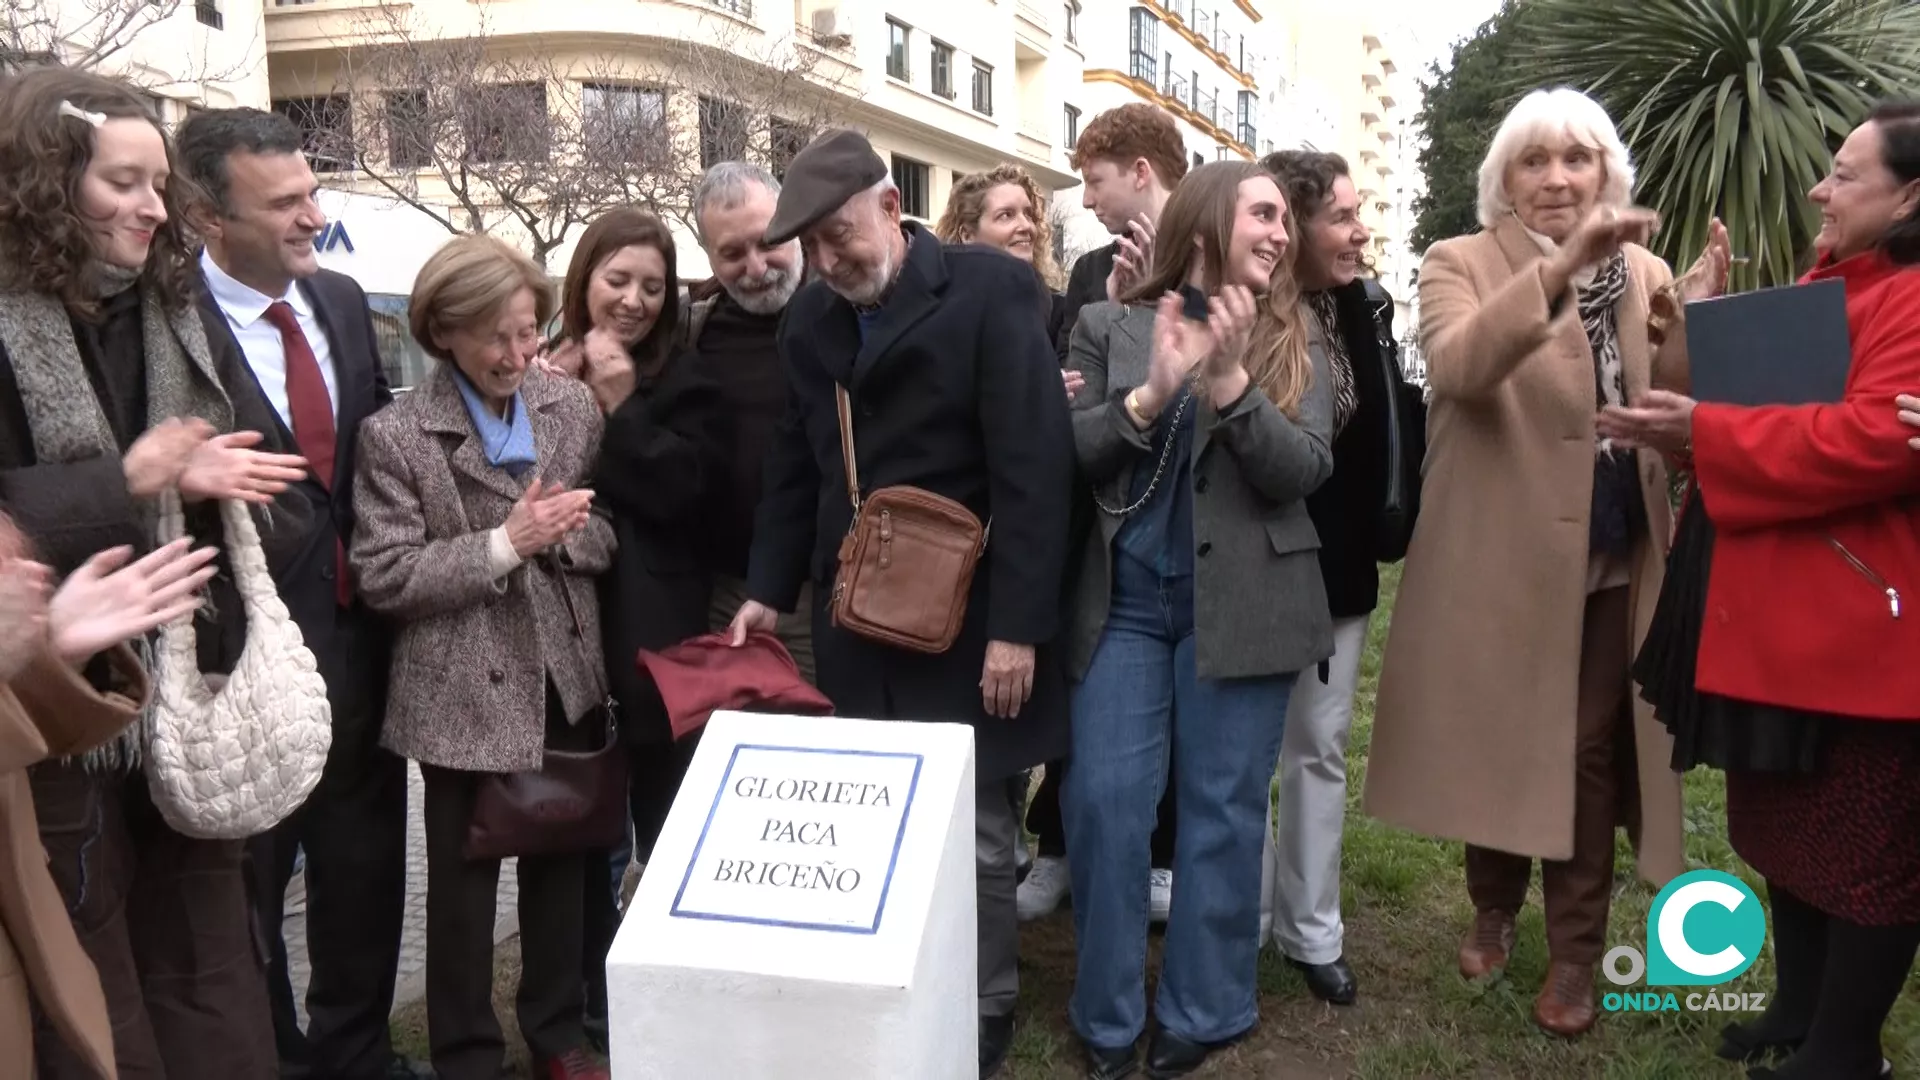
[68, 108]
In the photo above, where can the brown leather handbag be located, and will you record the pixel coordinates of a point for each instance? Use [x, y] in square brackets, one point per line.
[575, 801]
[907, 561]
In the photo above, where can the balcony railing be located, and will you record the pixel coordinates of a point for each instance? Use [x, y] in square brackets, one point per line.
[1032, 13]
[742, 8]
[1176, 88]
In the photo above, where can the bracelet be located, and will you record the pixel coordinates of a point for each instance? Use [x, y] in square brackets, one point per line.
[1134, 412]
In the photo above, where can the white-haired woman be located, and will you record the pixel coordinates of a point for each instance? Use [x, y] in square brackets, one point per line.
[1505, 716]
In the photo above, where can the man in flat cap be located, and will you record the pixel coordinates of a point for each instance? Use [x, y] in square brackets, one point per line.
[955, 389]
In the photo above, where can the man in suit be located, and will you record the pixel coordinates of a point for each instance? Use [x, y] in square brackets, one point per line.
[954, 389]
[308, 340]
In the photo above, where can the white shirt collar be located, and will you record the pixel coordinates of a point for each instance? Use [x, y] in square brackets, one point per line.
[243, 303]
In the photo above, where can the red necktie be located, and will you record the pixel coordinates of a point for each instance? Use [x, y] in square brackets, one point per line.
[312, 412]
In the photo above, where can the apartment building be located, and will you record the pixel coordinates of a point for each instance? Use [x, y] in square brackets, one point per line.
[1345, 77]
[1197, 59]
[184, 54]
[476, 112]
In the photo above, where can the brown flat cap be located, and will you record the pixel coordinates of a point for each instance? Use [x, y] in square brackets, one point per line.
[832, 169]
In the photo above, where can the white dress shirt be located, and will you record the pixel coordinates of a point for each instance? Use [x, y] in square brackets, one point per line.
[246, 310]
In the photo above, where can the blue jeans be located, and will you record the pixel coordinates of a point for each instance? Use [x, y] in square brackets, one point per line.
[1141, 710]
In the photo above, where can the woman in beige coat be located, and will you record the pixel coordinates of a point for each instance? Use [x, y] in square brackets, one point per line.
[1506, 717]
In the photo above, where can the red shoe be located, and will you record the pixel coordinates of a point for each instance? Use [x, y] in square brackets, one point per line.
[577, 1065]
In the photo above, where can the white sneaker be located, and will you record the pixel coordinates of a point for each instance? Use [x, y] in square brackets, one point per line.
[1159, 894]
[1022, 860]
[1046, 886]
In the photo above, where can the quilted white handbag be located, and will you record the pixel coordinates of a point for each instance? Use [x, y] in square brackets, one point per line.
[231, 763]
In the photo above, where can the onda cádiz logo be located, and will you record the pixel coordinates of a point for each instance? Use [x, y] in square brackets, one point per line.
[1705, 928]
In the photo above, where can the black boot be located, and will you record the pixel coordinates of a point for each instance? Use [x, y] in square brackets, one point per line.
[1799, 956]
[1865, 969]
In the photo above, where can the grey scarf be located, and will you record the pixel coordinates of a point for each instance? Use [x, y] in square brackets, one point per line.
[67, 421]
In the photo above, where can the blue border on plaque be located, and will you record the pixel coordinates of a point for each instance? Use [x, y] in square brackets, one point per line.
[893, 859]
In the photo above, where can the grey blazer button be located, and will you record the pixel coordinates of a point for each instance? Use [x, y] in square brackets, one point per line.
[1203, 549]
[497, 675]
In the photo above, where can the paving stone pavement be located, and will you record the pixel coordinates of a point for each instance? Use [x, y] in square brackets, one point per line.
[411, 985]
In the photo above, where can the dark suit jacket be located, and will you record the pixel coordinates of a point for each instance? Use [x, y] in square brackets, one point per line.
[955, 390]
[306, 582]
[1086, 284]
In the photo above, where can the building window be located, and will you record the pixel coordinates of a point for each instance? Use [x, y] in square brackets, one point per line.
[1198, 161]
[1070, 129]
[409, 130]
[208, 12]
[506, 123]
[911, 177]
[1245, 131]
[723, 131]
[742, 8]
[897, 51]
[982, 89]
[625, 124]
[1144, 48]
[942, 70]
[326, 129]
[1073, 22]
[785, 140]
[1219, 153]
[1242, 65]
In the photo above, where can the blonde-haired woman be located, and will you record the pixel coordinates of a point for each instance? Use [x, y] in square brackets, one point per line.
[1505, 716]
[1003, 208]
[474, 538]
[1200, 599]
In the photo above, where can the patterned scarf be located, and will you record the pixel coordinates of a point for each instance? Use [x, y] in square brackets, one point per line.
[1616, 482]
[1346, 398]
[67, 421]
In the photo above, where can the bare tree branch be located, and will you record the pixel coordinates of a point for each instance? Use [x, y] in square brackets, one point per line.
[95, 35]
[482, 131]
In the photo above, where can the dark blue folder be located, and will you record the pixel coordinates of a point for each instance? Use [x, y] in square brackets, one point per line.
[1785, 346]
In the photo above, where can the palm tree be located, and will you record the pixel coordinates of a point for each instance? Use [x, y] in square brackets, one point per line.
[1730, 107]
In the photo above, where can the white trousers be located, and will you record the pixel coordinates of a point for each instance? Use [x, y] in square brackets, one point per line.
[1301, 894]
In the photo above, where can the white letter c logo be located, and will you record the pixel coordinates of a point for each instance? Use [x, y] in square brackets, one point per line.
[1673, 920]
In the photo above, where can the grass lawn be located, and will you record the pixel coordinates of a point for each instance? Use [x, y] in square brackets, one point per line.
[1406, 907]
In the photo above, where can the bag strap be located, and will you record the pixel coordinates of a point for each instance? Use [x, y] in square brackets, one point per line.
[610, 703]
[844, 402]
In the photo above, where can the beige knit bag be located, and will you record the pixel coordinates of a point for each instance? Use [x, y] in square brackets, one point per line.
[231, 763]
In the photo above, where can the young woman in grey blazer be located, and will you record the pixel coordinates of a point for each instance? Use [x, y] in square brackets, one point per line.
[1200, 599]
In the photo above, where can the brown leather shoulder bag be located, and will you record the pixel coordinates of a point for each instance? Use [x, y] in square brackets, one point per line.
[907, 561]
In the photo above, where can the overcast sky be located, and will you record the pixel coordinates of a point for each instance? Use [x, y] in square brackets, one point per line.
[1434, 24]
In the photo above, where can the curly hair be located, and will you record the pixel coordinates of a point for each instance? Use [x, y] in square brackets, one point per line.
[967, 204]
[46, 244]
[1306, 178]
[1129, 133]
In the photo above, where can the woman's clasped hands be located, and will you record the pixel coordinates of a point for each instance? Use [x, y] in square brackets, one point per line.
[1217, 347]
[546, 515]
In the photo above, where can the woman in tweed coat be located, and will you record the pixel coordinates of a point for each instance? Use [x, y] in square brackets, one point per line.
[474, 540]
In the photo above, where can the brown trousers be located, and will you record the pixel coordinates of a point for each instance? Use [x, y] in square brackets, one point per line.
[1577, 891]
[164, 918]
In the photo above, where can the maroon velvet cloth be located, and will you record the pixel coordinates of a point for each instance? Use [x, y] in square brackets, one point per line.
[705, 674]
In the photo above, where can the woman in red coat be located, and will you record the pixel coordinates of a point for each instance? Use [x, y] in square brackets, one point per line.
[1791, 664]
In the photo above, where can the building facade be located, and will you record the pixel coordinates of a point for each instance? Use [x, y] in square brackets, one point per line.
[637, 98]
[184, 54]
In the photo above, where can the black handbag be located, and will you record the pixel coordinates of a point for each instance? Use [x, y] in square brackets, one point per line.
[576, 801]
[1406, 453]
